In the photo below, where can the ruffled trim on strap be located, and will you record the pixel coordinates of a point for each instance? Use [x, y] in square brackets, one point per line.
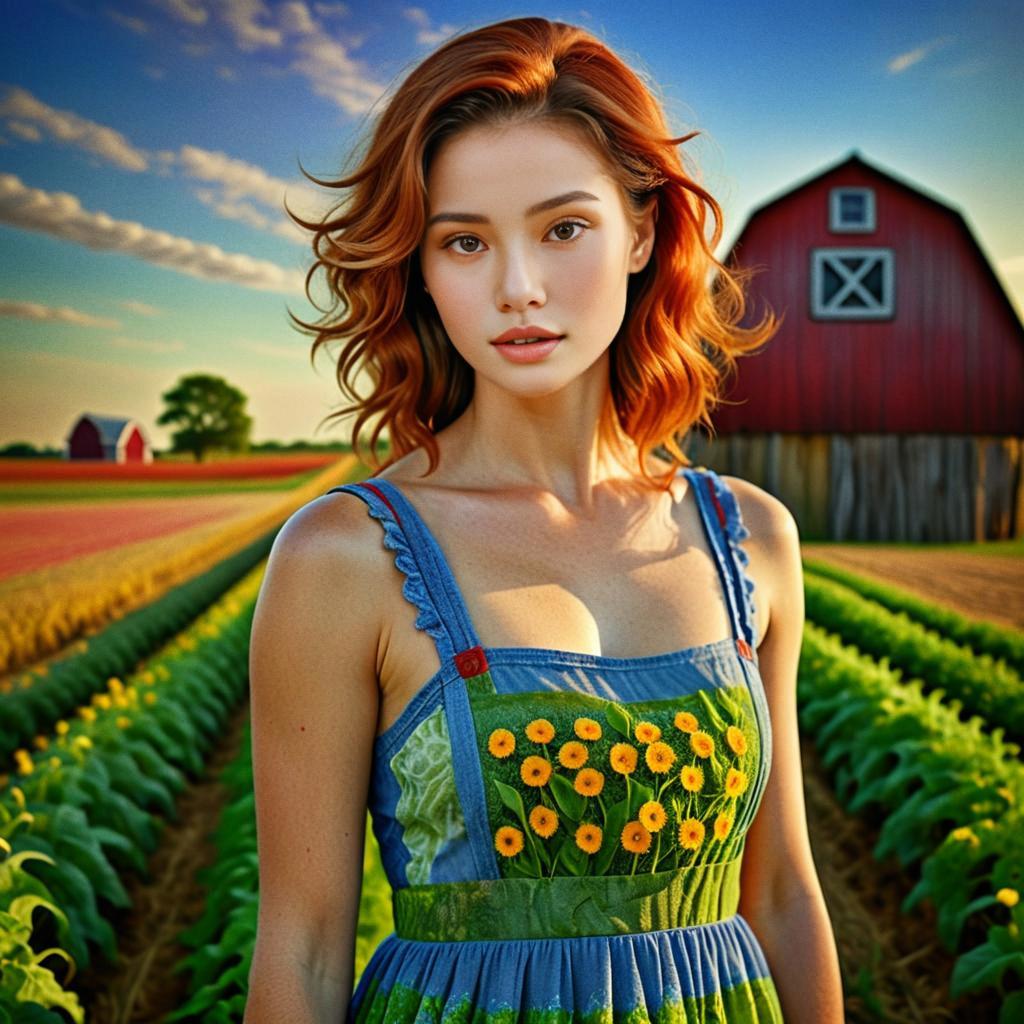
[414, 588]
[736, 531]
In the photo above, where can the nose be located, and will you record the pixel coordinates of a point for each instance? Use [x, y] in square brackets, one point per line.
[520, 283]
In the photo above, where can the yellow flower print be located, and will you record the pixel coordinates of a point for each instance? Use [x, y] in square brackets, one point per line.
[587, 729]
[691, 777]
[1008, 896]
[702, 744]
[540, 730]
[623, 758]
[535, 771]
[636, 838]
[652, 816]
[691, 834]
[647, 732]
[588, 782]
[588, 838]
[735, 782]
[543, 821]
[501, 743]
[508, 841]
[722, 825]
[965, 833]
[572, 754]
[686, 722]
[660, 757]
[735, 738]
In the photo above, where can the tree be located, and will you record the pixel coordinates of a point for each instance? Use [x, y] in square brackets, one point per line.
[210, 412]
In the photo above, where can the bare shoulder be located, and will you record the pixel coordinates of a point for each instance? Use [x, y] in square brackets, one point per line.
[314, 706]
[774, 551]
[768, 519]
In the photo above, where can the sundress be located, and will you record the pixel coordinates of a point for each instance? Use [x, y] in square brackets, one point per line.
[563, 832]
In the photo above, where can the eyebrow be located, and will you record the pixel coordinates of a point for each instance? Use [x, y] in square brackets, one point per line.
[576, 196]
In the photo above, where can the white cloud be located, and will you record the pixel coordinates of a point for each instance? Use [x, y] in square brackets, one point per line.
[909, 58]
[60, 215]
[142, 308]
[28, 132]
[191, 12]
[130, 22]
[58, 314]
[65, 126]
[428, 35]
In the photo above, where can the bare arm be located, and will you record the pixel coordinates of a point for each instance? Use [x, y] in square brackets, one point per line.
[780, 894]
[314, 711]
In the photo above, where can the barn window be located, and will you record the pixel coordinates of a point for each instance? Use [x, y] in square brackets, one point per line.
[851, 209]
[852, 284]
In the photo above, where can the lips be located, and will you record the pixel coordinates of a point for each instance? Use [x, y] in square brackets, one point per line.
[529, 332]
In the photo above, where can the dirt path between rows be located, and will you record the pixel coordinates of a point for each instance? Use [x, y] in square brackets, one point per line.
[979, 586]
[141, 988]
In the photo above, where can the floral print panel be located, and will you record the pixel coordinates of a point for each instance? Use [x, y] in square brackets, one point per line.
[581, 785]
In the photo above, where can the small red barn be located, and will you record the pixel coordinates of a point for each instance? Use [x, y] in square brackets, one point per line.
[109, 438]
[890, 404]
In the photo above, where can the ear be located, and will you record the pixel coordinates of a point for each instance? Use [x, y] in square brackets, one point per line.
[643, 237]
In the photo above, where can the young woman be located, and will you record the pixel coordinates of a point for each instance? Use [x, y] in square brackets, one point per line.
[532, 646]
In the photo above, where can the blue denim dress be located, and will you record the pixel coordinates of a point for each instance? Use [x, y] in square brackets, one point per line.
[563, 832]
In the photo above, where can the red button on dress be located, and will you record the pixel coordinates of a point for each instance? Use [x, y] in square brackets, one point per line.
[471, 662]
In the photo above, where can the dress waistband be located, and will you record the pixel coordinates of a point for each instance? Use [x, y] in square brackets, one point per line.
[565, 906]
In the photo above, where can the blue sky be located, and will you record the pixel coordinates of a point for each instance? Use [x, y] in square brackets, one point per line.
[146, 148]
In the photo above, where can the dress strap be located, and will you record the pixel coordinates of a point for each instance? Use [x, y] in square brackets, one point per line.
[429, 582]
[725, 529]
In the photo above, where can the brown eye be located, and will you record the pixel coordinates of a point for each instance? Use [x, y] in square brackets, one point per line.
[567, 226]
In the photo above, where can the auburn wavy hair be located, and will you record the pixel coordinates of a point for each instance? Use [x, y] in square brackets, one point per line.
[680, 337]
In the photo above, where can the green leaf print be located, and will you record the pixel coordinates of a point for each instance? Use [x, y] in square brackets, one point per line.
[571, 803]
[428, 808]
[618, 718]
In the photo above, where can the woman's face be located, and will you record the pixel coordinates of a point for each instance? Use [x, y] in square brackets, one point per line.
[526, 229]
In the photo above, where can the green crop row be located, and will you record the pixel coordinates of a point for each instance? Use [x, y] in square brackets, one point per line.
[951, 797]
[982, 637]
[91, 805]
[39, 700]
[225, 936]
[983, 685]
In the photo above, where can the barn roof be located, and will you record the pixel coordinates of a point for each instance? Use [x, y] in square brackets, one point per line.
[110, 428]
[944, 209]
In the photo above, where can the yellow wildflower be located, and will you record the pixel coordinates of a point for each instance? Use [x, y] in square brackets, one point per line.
[540, 730]
[500, 744]
[61, 728]
[660, 757]
[82, 741]
[40, 742]
[965, 834]
[735, 782]
[636, 838]
[588, 838]
[587, 729]
[543, 821]
[588, 782]
[722, 825]
[691, 834]
[123, 722]
[572, 754]
[87, 714]
[702, 744]
[24, 762]
[1008, 896]
[647, 732]
[623, 758]
[652, 816]
[735, 738]
[508, 841]
[535, 771]
[691, 777]
[686, 722]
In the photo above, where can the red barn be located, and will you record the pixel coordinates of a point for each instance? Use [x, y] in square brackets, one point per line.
[110, 438]
[890, 404]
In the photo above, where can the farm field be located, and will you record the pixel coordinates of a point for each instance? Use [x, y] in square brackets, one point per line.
[40, 535]
[978, 585]
[129, 764]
